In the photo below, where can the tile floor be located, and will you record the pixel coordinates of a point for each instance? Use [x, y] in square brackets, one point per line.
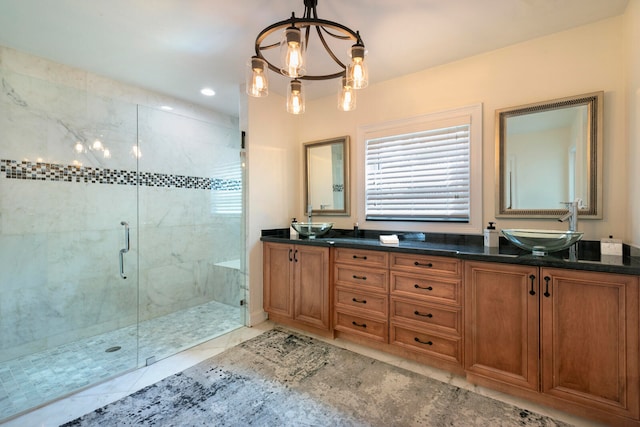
[95, 397]
[32, 380]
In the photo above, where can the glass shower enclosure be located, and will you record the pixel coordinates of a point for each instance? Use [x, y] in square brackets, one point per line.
[121, 238]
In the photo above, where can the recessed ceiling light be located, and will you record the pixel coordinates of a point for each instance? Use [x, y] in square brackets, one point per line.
[166, 108]
[208, 91]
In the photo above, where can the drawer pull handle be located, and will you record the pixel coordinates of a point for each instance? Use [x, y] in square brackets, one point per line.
[360, 325]
[362, 257]
[417, 313]
[361, 301]
[360, 277]
[546, 290]
[428, 288]
[423, 265]
[532, 278]
[418, 340]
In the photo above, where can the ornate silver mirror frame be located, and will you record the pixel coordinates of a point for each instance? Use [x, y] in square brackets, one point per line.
[535, 165]
[327, 176]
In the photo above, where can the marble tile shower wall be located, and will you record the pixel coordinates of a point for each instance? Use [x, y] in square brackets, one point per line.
[61, 205]
[181, 242]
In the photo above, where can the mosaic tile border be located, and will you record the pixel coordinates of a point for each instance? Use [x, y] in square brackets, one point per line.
[13, 169]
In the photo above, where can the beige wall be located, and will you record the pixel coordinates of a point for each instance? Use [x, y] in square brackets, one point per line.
[273, 186]
[583, 60]
[586, 59]
[632, 27]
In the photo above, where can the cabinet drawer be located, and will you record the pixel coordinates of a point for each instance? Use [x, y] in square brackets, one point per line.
[361, 257]
[374, 304]
[435, 345]
[372, 329]
[427, 288]
[445, 319]
[372, 279]
[442, 266]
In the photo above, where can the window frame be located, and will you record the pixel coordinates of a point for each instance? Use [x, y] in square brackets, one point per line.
[413, 124]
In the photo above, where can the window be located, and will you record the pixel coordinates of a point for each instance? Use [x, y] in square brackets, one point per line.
[226, 191]
[425, 169]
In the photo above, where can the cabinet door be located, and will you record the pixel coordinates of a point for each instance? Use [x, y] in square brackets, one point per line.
[311, 285]
[278, 279]
[501, 331]
[590, 339]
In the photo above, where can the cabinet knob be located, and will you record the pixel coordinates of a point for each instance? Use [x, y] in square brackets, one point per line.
[428, 288]
[362, 257]
[360, 301]
[360, 325]
[360, 277]
[418, 340]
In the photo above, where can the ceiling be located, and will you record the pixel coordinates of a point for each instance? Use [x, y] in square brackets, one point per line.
[177, 47]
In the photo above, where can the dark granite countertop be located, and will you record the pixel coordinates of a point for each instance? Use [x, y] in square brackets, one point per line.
[468, 247]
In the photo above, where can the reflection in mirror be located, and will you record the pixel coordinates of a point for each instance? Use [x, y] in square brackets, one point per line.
[549, 153]
[327, 176]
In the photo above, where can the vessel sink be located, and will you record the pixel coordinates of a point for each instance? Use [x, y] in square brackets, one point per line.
[312, 229]
[542, 242]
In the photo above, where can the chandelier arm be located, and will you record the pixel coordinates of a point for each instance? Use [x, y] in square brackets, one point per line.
[310, 9]
[306, 35]
[271, 46]
[335, 36]
[328, 49]
[324, 76]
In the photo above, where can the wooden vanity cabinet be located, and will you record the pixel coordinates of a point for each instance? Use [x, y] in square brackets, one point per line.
[589, 338]
[562, 337]
[502, 323]
[361, 279]
[296, 287]
[426, 308]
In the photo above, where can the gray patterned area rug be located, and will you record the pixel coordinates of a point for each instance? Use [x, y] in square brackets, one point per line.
[284, 379]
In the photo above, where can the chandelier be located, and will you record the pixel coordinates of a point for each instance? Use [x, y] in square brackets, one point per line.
[293, 45]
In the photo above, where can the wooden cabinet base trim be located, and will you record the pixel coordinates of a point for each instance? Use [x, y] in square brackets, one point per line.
[585, 411]
[293, 324]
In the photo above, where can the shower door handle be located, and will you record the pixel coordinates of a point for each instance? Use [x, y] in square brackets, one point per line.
[125, 249]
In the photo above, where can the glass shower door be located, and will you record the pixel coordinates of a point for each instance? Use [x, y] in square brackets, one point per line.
[192, 279]
[69, 282]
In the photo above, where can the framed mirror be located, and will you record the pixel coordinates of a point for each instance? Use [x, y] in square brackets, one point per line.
[327, 176]
[548, 153]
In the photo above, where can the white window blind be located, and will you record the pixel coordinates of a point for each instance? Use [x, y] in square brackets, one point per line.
[423, 175]
[226, 192]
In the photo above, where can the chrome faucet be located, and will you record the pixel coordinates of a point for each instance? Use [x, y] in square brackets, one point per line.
[572, 217]
[310, 233]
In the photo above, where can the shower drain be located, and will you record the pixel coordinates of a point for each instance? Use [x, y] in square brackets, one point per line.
[112, 349]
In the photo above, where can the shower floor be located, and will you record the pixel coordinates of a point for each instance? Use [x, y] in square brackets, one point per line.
[32, 380]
